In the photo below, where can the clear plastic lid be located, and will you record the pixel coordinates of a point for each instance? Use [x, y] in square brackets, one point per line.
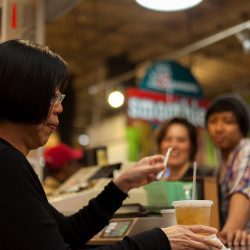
[198, 203]
[167, 211]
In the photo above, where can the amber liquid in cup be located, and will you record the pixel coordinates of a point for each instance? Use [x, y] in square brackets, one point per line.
[193, 212]
[193, 215]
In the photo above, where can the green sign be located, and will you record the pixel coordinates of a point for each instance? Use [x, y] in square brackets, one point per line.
[172, 78]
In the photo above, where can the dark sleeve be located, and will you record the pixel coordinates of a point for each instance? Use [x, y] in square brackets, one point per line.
[29, 222]
[104, 206]
[153, 239]
[26, 221]
[82, 226]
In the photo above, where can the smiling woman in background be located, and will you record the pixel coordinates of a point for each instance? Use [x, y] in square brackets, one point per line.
[180, 135]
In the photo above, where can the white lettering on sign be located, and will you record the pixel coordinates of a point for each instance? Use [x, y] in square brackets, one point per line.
[145, 109]
[161, 78]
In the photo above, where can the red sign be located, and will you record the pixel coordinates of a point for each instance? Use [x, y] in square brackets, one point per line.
[156, 107]
[13, 16]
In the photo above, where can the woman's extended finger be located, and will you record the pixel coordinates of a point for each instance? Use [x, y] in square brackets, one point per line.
[155, 159]
[152, 169]
[202, 229]
[248, 240]
[237, 238]
[230, 237]
[243, 241]
[192, 244]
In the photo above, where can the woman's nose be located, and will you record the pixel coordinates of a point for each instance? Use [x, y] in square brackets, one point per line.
[219, 126]
[58, 108]
[173, 145]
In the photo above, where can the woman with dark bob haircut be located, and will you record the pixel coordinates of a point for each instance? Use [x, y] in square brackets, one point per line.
[30, 75]
[180, 135]
[31, 80]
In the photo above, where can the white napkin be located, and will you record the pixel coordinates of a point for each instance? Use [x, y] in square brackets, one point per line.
[214, 237]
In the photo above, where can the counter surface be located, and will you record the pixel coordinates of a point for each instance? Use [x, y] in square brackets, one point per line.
[240, 248]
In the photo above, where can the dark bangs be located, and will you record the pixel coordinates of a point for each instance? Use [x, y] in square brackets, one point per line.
[30, 75]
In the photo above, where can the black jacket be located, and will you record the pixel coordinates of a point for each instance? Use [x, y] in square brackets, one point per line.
[29, 222]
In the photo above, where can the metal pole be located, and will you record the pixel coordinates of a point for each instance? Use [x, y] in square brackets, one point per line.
[100, 86]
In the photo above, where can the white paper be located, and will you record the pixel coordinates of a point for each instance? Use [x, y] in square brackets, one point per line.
[159, 176]
[214, 237]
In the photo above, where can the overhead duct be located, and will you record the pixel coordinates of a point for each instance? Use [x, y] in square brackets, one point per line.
[100, 86]
[56, 8]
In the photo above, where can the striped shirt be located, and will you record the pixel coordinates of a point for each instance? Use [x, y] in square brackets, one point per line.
[237, 177]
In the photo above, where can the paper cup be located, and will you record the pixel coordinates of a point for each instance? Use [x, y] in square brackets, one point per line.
[193, 212]
[168, 217]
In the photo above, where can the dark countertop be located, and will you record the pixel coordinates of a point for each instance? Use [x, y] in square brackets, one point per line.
[240, 248]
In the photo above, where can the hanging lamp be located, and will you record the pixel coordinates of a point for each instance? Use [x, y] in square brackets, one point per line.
[168, 5]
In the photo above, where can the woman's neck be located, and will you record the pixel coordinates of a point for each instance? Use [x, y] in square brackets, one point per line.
[226, 152]
[13, 134]
[176, 173]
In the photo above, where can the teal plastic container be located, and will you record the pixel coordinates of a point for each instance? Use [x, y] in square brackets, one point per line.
[162, 193]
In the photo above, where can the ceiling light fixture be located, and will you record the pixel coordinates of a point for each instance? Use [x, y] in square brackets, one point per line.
[83, 140]
[168, 5]
[116, 99]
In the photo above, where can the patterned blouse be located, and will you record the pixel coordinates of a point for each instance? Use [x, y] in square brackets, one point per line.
[237, 177]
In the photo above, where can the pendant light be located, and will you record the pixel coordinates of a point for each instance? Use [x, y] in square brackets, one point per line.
[116, 99]
[168, 5]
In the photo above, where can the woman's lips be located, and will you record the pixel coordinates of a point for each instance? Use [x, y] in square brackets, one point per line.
[175, 154]
[52, 126]
[218, 139]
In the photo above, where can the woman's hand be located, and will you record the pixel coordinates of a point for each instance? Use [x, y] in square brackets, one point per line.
[235, 238]
[142, 173]
[188, 237]
[233, 233]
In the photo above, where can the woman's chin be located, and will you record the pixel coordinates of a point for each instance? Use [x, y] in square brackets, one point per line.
[175, 165]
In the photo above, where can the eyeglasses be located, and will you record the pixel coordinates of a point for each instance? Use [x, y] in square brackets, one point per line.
[57, 98]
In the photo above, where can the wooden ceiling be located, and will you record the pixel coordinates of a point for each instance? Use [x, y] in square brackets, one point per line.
[99, 31]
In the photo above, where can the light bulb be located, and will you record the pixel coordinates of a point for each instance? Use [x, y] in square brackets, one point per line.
[116, 99]
[168, 5]
[83, 139]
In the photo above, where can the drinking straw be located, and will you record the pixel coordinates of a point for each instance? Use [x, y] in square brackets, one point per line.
[159, 176]
[194, 180]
